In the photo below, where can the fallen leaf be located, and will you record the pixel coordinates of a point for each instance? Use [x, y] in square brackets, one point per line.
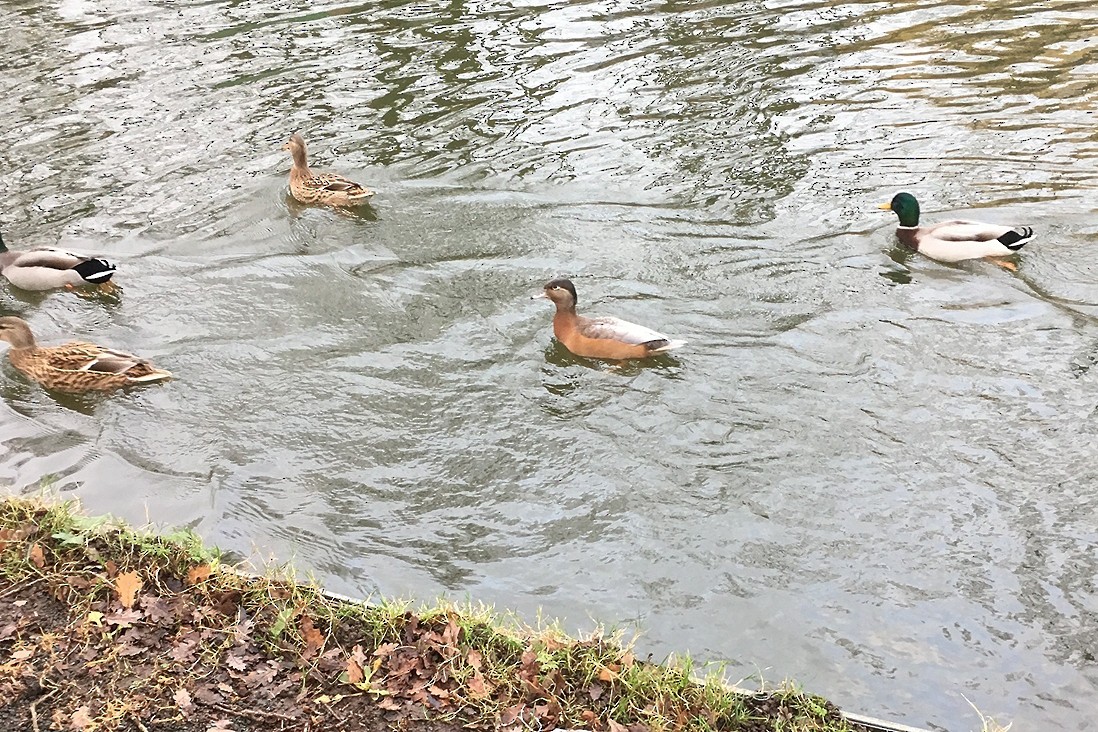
[617, 726]
[199, 573]
[590, 718]
[595, 691]
[359, 656]
[605, 674]
[22, 655]
[95, 618]
[628, 659]
[37, 555]
[236, 663]
[111, 567]
[126, 585]
[207, 695]
[386, 649]
[124, 618]
[314, 639]
[477, 687]
[510, 714]
[183, 701]
[475, 659]
[354, 672]
[81, 718]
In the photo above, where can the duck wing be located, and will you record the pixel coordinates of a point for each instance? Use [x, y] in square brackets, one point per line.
[336, 182]
[617, 329]
[47, 257]
[1013, 237]
[90, 357]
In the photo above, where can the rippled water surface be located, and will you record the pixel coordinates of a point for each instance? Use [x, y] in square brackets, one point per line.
[869, 471]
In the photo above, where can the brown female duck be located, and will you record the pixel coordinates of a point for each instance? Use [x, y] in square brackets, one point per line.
[74, 367]
[309, 186]
[605, 337]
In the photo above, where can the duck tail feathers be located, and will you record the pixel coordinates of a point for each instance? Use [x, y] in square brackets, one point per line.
[1016, 238]
[668, 345]
[95, 271]
[153, 376]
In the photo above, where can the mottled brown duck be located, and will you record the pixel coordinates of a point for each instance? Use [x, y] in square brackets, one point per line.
[328, 189]
[74, 367]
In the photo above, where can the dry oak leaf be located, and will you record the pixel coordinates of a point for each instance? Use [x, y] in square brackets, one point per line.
[591, 719]
[183, 701]
[37, 555]
[198, 573]
[354, 672]
[475, 659]
[314, 639]
[81, 718]
[126, 585]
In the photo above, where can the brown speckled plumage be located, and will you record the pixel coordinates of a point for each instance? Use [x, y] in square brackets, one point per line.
[74, 367]
[330, 189]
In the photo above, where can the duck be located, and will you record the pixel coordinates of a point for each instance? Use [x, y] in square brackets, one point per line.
[47, 268]
[958, 240]
[309, 186]
[74, 367]
[602, 337]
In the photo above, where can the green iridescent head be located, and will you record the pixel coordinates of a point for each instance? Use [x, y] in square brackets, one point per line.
[906, 207]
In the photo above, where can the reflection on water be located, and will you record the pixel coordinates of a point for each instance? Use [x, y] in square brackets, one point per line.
[867, 470]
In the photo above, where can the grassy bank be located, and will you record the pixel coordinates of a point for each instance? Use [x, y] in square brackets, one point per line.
[103, 627]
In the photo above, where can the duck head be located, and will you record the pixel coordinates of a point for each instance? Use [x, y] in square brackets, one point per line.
[562, 293]
[16, 332]
[905, 206]
[296, 146]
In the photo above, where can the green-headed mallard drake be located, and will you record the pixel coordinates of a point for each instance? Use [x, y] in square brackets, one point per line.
[955, 241]
[46, 268]
[605, 337]
[309, 186]
[74, 367]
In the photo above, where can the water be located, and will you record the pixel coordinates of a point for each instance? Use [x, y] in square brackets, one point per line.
[869, 472]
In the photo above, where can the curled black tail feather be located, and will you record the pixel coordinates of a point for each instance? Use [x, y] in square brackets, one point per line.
[95, 271]
[1016, 238]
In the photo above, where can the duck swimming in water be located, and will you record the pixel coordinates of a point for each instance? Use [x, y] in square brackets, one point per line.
[46, 268]
[74, 367]
[309, 186]
[604, 337]
[955, 241]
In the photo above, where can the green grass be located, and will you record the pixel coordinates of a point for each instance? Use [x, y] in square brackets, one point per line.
[582, 682]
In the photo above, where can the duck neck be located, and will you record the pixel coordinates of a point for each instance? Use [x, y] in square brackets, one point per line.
[565, 318]
[301, 160]
[21, 341]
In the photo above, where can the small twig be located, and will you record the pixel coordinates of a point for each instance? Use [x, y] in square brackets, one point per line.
[140, 726]
[34, 709]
